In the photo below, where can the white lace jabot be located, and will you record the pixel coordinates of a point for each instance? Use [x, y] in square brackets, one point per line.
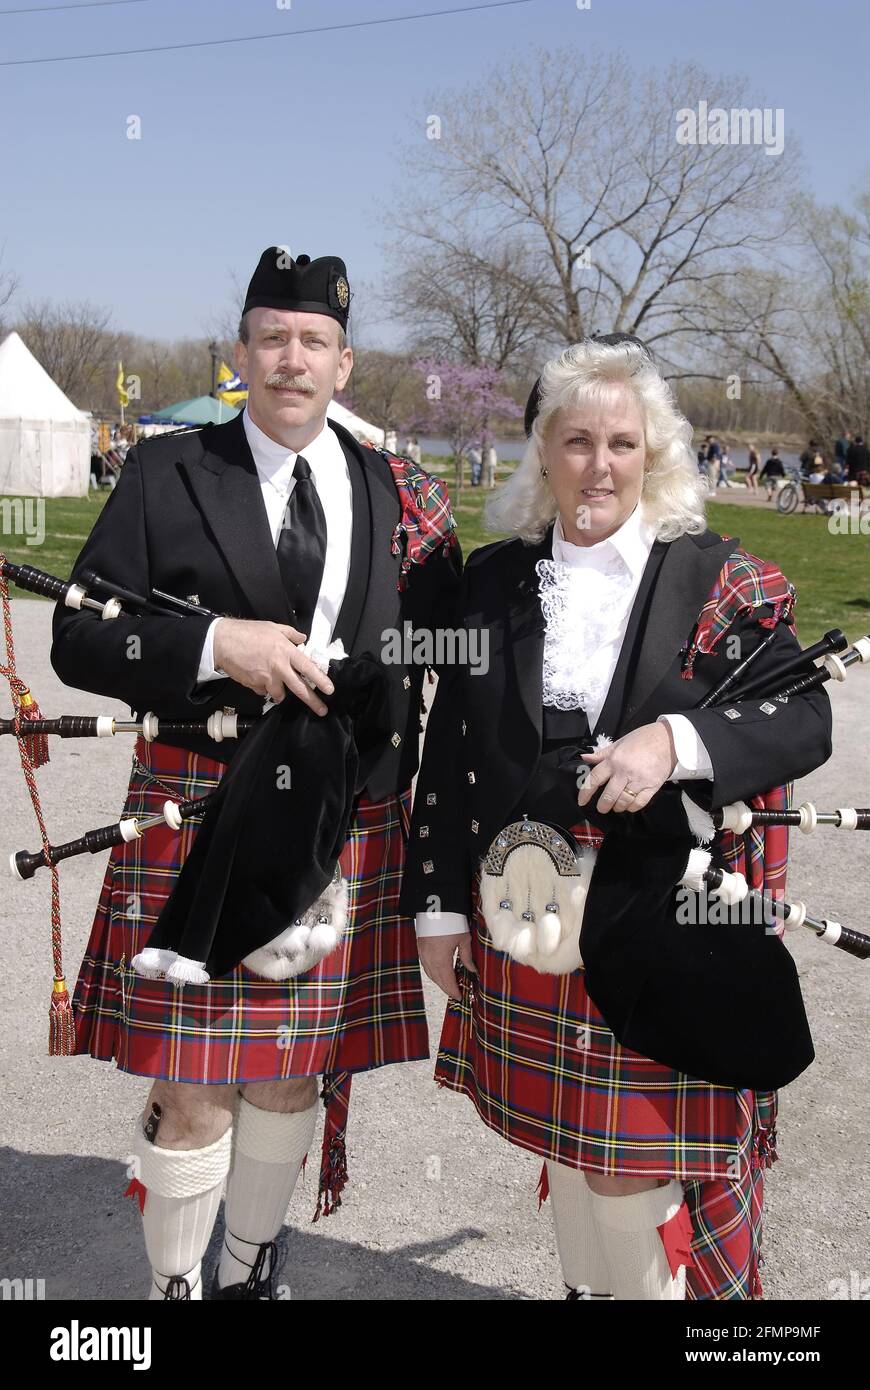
[586, 594]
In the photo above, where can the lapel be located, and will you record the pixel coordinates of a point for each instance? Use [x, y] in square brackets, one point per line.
[225, 483]
[685, 577]
[525, 625]
[374, 602]
[350, 613]
[610, 718]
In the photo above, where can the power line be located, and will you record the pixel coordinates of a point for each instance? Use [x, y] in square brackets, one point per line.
[257, 38]
[84, 5]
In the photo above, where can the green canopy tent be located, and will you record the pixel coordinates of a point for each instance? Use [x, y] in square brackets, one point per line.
[202, 410]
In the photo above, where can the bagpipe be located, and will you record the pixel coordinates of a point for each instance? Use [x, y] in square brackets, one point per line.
[265, 855]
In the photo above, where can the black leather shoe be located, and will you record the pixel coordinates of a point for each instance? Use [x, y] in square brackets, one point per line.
[258, 1285]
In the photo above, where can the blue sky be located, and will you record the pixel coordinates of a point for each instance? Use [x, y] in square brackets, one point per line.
[294, 139]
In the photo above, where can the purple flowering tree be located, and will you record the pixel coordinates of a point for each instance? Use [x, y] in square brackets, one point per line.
[460, 402]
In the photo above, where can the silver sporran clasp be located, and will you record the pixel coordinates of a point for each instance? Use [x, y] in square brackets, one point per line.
[533, 886]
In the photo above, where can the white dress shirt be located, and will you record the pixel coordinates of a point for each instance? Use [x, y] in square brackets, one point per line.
[275, 464]
[599, 582]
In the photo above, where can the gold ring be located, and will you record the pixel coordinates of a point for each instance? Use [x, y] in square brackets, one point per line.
[627, 791]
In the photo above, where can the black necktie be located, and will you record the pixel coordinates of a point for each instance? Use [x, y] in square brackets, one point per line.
[302, 546]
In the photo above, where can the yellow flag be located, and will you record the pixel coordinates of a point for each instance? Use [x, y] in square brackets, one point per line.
[237, 392]
[123, 398]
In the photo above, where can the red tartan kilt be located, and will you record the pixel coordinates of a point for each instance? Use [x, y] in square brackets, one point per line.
[543, 1069]
[361, 1007]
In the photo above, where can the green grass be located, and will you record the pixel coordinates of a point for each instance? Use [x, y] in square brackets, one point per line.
[831, 572]
[68, 521]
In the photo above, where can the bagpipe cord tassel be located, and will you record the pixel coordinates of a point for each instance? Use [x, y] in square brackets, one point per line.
[24, 706]
[33, 754]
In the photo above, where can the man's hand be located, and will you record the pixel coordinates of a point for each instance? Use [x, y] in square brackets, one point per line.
[641, 761]
[265, 658]
[436, 958]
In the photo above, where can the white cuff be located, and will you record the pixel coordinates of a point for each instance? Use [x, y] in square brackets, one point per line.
[693, 760]
[441, 923]
[207, 670]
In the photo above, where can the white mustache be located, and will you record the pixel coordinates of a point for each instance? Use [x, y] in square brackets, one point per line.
[291, 383]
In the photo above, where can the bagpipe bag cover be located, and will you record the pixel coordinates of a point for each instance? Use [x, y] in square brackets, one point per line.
[270, 840]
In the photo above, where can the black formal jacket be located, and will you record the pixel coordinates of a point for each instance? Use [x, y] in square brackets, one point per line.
[669, 995]
[188, 517]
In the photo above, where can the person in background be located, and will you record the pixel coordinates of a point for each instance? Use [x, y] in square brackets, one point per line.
[836, 473]
[807, 457]
[413, 450]
[475, 458]
[857, 459]
[391, 443]
[841, 448]
[490, 463]
[752, 469]
[703, 466]
[726, 468]
[817, 475]
[772, 472]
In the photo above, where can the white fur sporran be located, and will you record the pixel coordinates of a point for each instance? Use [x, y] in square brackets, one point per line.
[308, 940]
[533, 888]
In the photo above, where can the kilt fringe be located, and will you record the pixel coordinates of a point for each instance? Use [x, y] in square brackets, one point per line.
[764, 1153]
[333, 1162]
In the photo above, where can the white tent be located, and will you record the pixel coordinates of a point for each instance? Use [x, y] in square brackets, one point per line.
[45, 442]
[361, 429]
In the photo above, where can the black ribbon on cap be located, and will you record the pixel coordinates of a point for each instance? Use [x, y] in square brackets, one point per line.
[533, 404]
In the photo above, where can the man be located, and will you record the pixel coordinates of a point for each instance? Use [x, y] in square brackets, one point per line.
[475, 458]
[772, 472]
[807, 459]
[714, 459]
[283, 522]
[490, 464]
[857, 459]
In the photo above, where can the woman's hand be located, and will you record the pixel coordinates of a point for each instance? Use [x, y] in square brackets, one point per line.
[436, 958]
[639, 763]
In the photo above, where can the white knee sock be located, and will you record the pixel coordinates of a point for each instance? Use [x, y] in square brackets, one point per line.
[183, 1195]
[584, 1266]
[267, 1156]
[633, 1248]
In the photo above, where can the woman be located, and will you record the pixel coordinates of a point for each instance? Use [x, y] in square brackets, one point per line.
[754, 463]
[610, 611]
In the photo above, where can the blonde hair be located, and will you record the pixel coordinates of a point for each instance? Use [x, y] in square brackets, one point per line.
[672, 499]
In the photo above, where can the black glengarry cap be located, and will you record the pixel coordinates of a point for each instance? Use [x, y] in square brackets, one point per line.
[315, 287]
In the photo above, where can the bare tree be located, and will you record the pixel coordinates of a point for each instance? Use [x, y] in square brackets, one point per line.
[223, 326]
[573, 163]
[72, 342]
[384, 387]
[806, 328]
[458, 306]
